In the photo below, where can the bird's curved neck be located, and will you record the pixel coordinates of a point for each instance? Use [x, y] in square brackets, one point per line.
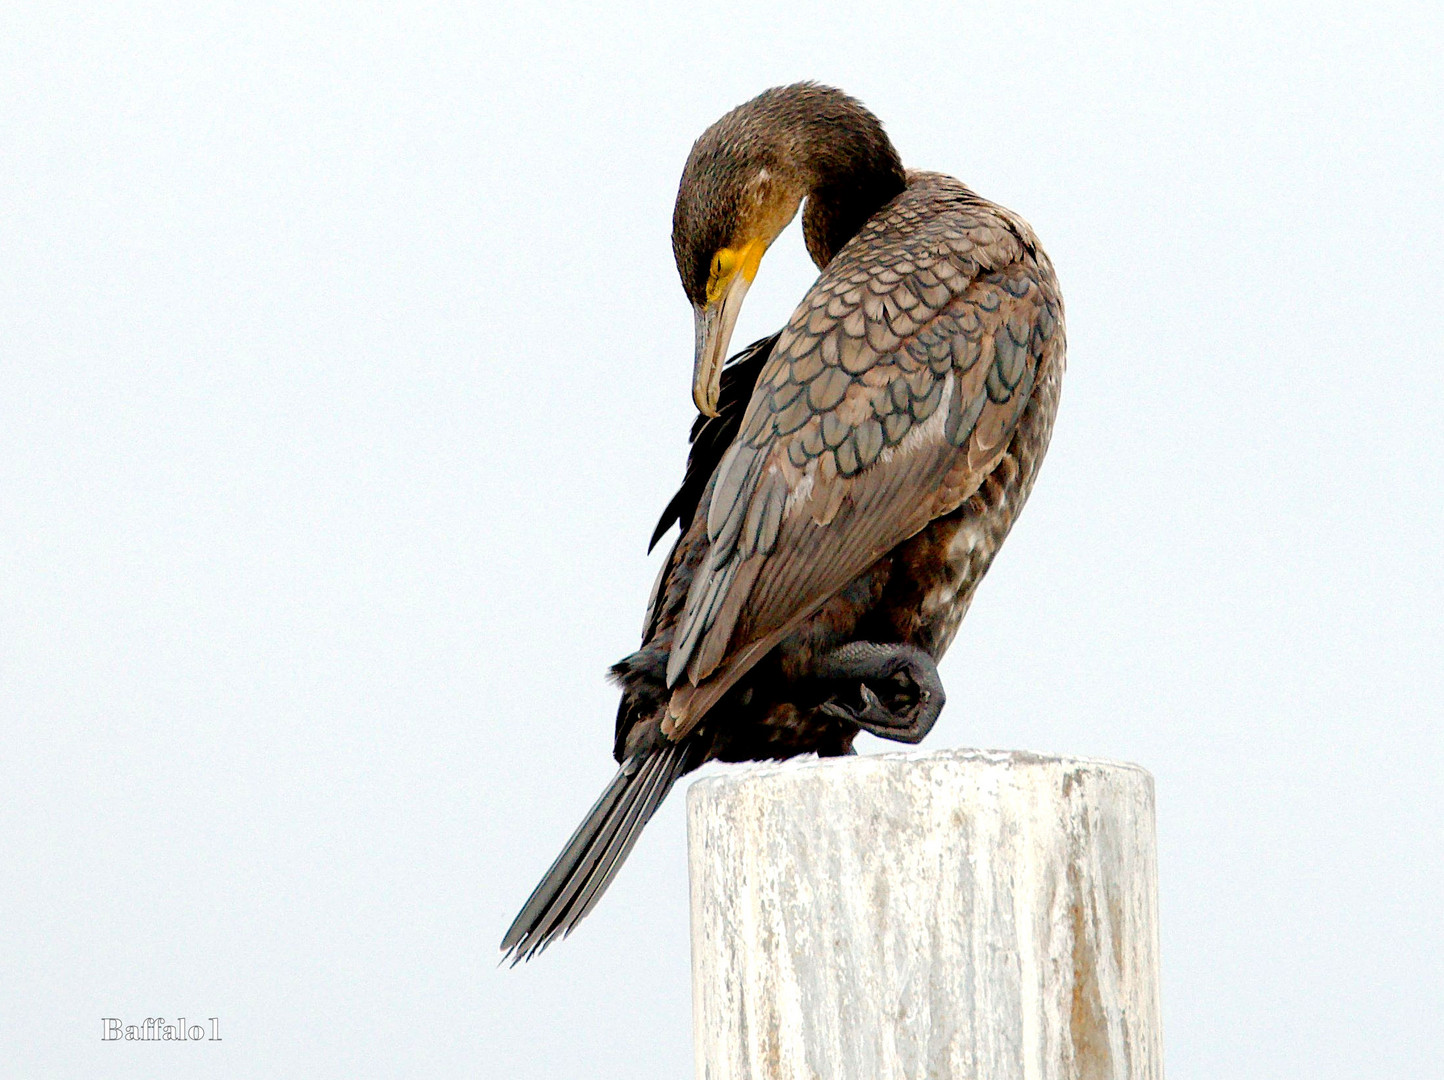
[850, 172]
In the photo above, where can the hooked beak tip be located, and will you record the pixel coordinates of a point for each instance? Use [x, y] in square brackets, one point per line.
[706, 370]
[714, 323]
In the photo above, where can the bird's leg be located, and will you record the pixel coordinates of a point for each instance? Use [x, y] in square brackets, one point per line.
[898, 692]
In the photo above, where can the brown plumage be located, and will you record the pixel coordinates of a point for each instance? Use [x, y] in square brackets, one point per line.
[851, 478]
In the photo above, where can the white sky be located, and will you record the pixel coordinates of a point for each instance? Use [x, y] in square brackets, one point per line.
[344, 371]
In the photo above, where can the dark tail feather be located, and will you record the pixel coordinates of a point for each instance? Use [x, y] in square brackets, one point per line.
[593, 855]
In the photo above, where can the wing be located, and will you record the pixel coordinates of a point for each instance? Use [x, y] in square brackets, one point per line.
[711, 435]
[889, 396]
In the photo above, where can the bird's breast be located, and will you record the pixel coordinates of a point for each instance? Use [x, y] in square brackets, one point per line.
[937, 572]
[958, 552]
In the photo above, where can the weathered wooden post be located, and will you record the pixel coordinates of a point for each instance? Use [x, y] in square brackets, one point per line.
[947, 915]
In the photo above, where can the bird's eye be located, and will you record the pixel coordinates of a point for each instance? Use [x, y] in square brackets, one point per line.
[723, 263]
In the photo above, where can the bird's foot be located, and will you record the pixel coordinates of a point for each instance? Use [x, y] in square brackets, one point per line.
[893, 691]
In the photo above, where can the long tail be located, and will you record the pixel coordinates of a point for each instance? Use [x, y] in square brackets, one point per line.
[593, 855]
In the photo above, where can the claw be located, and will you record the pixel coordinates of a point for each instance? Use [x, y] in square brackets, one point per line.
[912, 716]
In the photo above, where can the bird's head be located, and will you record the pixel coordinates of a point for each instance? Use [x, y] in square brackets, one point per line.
[733, 202]
[743, 182]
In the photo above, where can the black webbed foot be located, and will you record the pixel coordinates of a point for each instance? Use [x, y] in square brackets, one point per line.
[894, 690]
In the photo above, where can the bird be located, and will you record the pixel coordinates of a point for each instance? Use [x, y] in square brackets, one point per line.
[850, 478]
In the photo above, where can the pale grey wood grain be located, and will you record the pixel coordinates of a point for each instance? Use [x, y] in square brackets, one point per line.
[945, 915]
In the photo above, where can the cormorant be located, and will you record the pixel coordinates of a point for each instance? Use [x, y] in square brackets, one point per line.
[851, 477]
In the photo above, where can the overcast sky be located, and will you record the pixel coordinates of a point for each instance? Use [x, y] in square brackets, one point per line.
[343, 374]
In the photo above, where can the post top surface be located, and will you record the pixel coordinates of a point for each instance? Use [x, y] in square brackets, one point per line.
[864, 766]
